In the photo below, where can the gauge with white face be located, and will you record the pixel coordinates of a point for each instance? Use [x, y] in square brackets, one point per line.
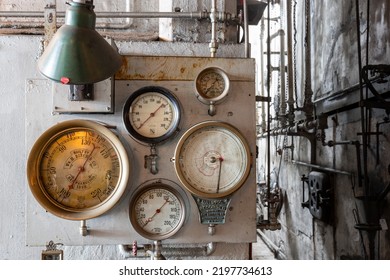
[151, 114]
[212, 159]
[157, 211]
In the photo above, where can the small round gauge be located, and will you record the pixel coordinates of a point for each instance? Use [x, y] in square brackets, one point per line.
[151, 114]
[157, 210]
[212, 85]
[78, 169]
[212, 159]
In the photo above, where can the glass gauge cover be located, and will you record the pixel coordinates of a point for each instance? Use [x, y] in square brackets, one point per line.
[78, 169]
[157, 211]
[212, 85]
[212, 159]
[151, 114]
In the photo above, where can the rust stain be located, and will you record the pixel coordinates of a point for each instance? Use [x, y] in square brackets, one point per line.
[122, 72]
[159, 68]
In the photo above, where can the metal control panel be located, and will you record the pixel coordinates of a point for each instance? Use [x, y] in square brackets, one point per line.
[227, 119]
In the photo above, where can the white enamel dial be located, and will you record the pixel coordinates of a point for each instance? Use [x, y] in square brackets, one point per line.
[212, 159]
[151, 114]
[157, 211]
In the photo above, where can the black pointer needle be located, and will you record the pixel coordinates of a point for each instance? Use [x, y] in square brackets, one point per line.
[219, 172]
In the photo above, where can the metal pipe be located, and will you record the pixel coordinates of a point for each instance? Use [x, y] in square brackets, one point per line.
[180, 250]
[181, 15]
[282, 71]
[283, 105]
[26, 14]
[213, 18]
[363, 115]
[290, 130]
[278, 253]
[83, 228]
[268, 105]
[263, 104]
[290, 73]
[246, 29]
[308, 106]
[321, 167]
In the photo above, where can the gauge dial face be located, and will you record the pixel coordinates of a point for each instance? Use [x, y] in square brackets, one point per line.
[78, 169]
[151, 114]
[212, 159]
[212, 84]
[157, 211]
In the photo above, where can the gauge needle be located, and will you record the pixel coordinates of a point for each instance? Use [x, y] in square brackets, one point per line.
[219, 172]
[81, 168]
[155, 213]
[151, 115]
[211, 86]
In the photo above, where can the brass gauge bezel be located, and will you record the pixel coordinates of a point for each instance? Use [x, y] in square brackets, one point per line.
[195, 145]
[157, 213]
[202, 80]
[173, 113]
[117, 155]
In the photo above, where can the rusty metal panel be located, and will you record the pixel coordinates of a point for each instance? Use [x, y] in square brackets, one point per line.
[165, 68]
[176, 74]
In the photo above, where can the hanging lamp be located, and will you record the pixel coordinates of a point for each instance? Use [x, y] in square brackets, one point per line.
[77, 54]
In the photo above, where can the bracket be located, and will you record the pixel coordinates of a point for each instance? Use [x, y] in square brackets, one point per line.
[318, 202]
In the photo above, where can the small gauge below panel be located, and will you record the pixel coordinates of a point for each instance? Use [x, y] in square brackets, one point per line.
[158, 209]
[151, 114]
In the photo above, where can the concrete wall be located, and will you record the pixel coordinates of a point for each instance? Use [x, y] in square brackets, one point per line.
[335, 71]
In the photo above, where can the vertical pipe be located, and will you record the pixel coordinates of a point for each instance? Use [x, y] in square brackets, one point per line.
[362, 111]
[282, 66]
[246, 31]
[290, 73]
[213, 18]
[268, 106]
[263, 104]
[308, 104]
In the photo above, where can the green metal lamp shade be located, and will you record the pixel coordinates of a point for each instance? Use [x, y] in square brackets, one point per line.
[77, 54]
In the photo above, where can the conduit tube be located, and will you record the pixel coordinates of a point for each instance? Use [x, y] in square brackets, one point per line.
[272, 246]
[246, 29]
[290, 73]
[213, 18]
[322, 168]
[197, 250]
[263, 104]
[282, 72]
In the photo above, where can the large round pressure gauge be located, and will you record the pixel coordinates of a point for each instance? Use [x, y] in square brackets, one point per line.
[157, 210]
[151, 114]
[78, 169]
[212, 159]
[212, 85]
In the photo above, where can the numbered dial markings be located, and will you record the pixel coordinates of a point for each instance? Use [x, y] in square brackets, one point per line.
[212, 84]
[212, 160]
[77, 171]
[151, 114]
[80, 169]
[157, 212]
